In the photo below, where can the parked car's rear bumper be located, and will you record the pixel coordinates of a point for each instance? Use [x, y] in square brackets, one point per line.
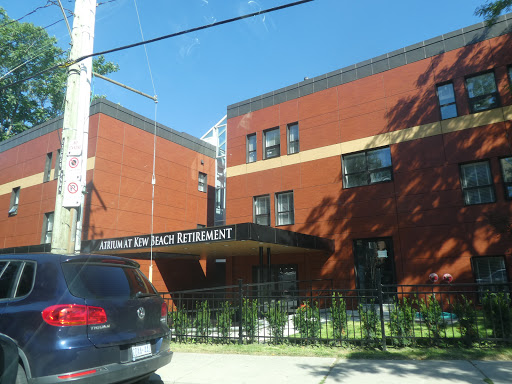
[114, 373]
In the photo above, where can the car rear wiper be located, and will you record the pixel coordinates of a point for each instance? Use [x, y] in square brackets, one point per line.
[140, 294]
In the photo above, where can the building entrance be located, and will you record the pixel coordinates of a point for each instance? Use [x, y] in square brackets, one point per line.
[372, 256]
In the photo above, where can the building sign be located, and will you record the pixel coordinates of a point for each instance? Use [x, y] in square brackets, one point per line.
[203, 235]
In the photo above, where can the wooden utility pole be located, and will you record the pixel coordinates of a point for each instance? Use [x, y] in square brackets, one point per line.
[71, 187]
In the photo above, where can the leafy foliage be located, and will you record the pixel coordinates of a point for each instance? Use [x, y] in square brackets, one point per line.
[26, 49]
[225, 319]
[202, 321]
[277, 320]
[338, 315]
[250, 318]
[466, 314]
[369, 322]
[307, 320]
[180, 322]
[498, 313]
[432, 315]
[492, 9]
[401, 321]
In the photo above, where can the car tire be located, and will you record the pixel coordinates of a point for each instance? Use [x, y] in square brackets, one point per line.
[144, 380]
[21, 377]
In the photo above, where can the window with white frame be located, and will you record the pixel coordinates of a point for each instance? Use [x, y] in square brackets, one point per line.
[284, 208]
[261, 210]
[293, 138]
[368, 167]
[15, 199]
[47, 167]
[46, 237]
[271, 143]
[446, 97]
[476, 181]
[202, 182]
[506, 171]
[251, 148]
[482, 92]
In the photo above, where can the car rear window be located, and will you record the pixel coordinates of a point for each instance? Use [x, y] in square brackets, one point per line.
[94, 281]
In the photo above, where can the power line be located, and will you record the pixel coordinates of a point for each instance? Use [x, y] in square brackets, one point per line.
[48, 3]
[71, 62]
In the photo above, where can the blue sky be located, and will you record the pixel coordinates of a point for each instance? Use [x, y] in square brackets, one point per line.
[198, 75]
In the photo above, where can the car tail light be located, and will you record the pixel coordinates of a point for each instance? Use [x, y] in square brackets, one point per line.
[73, 314]
[163, 315]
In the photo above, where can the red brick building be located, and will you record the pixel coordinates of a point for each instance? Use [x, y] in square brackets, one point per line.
[401, 163]
[403, 160]
[119, 189]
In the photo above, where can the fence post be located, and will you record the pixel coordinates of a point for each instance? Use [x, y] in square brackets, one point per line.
[381, 305]
[240, 309]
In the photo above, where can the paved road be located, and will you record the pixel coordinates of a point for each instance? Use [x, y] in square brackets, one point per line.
[194, 368]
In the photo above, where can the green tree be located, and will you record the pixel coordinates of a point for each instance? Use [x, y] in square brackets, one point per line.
[492, 9]
[26, 49]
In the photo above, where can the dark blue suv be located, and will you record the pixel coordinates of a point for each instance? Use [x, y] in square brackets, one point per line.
[86, 319]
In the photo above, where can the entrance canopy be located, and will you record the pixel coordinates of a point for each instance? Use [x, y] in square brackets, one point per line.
[215, 242]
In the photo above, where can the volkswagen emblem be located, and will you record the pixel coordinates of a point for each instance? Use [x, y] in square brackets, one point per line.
[141, 313]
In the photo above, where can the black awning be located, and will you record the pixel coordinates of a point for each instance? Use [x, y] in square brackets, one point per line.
[223, 241]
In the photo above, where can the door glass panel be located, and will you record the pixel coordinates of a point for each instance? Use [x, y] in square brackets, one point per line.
[370, 256]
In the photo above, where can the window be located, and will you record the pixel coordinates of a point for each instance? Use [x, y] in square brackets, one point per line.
[506, 171]
[293, 138]
[482, 92]
[262, 210]
[47, 167]
[477, 183]
[490, 270]
[16, 278]
[201, 184]
[92, 281]
[57, 165]
[446, 97]
[46, 237]
[251, 148]
[271, 143]
[15, 199]
[284, 208]
[369, 167]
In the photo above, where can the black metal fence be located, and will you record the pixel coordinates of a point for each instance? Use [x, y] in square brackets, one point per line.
[314, 312]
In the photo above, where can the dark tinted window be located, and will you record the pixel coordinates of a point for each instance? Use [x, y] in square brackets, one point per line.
[91, 281]
[8, 274]
[26, 280]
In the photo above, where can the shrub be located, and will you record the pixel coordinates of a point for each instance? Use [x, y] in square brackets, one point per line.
[431, 313]
[250, 318]
[202, 320]
[369, 322]
[338, 315]
[467, 316]
[277, 319]
[498, 314]
[307, 320]
[225, 319]
[401, 321]
[180, 322]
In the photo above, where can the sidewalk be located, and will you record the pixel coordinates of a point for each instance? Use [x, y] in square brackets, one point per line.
[194, 368]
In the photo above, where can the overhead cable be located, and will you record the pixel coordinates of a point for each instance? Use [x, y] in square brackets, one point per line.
[71, 62]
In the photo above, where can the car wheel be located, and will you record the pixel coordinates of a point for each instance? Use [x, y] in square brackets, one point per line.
[144, 380]
[21, 377]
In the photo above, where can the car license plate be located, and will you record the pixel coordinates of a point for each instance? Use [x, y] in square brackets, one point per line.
[140, 351]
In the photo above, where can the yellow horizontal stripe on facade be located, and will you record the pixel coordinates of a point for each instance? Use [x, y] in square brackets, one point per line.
[36, 179]
[493, 116]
